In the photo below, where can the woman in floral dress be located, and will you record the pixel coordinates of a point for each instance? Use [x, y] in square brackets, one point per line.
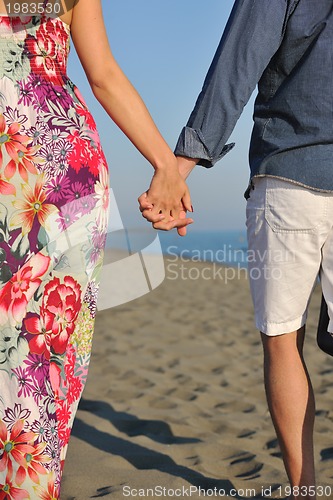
[53, 221]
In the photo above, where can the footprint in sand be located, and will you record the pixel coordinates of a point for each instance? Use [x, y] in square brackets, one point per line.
[244, 465]
[326, 454]
[246, 433]
[236, 406]
[273, 445]
[162, 404]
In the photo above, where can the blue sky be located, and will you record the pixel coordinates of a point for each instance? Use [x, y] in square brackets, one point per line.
[165, 48]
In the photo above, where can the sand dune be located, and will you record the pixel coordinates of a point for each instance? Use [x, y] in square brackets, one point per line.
[175, 397]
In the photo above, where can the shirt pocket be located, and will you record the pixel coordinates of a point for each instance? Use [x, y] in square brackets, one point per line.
[293, 208]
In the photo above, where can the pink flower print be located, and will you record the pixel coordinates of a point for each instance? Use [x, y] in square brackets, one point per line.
[64, 414]
[42, 52]
[55, 136]
[15, 146]
[70, 363]
[98, 240]
[13, 115]
[67, 216]
[38, 391]
[11, 139]
[9, 492]
[60, 307]
[17, 292]
[41, 90]
[15, 444]
[56, 189]
[55, 377]
[39, 344]
[26, 92]
[25, 162]
[12, 415]
[64, 433]
[61, 150]
[83, 110]
[32, 464]
[76, 191]
[74, 390]
[46, 430]
[79, 157]
[6, 187]
[31, 206]
[37, 366]
[51, 493]
[15, 24]
[25, 382]
[86, 204]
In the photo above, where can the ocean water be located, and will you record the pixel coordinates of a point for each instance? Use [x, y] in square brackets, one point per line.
[224, 247]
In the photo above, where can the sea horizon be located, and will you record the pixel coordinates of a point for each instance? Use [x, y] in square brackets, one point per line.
[226, 247]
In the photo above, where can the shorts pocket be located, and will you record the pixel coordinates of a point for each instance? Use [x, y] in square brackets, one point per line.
[293, 208]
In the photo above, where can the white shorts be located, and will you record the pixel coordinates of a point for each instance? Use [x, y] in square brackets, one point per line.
[290, 242]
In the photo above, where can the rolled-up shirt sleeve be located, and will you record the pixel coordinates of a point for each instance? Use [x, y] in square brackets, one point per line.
[252, 36]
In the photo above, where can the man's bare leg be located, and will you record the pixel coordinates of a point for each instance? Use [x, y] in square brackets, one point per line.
[292, 406]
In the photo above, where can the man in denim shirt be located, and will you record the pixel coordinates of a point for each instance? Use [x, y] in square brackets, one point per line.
[286, 47]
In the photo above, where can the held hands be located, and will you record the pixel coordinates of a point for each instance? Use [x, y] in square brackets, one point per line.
[180, 224]
[168, 199]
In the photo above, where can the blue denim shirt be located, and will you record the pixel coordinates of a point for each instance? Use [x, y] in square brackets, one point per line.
[286, 47]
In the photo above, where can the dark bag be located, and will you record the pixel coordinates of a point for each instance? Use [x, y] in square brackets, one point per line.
[324, 338]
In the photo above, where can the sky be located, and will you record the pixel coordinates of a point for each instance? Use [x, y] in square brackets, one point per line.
[165, 48]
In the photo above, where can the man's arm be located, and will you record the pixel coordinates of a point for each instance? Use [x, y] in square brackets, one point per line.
[252, 36]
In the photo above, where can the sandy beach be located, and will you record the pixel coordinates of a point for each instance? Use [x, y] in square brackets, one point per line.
[175, 405]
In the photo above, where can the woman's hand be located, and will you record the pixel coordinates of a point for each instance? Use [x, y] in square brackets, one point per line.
[176, 218]
[167, 200]
[180, 224]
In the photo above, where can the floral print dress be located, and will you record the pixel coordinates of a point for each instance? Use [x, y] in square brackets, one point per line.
[53, 219]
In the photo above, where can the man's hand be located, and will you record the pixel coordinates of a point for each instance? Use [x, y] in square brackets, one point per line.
[186, 165]
[158, 221]
[158, 214]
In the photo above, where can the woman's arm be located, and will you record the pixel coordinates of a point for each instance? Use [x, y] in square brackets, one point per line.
[168, 194]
